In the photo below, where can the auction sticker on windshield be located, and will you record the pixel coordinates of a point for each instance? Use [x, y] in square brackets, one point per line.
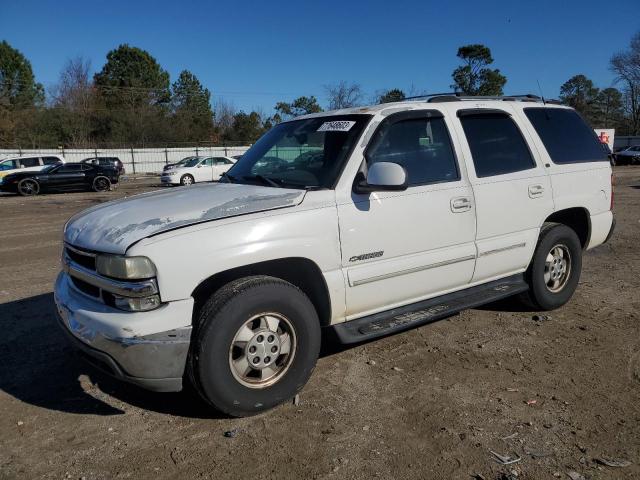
[337, 126]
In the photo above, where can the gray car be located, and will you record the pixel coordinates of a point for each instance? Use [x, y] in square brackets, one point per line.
[628, 156]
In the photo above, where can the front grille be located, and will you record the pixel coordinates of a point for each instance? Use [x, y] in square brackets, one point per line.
[85, 287]
[86, 260]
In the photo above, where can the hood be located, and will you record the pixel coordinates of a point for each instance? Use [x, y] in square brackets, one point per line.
[114, 226]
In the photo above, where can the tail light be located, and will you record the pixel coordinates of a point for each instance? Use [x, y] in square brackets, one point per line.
[612, 195]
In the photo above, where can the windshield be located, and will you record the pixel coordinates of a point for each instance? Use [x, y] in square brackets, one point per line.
[301, 154]
[192, 162]
[48, 168]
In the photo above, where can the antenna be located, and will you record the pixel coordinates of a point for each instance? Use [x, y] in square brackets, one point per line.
[541, 94]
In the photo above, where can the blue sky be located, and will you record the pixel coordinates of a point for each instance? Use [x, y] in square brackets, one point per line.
[255, 53]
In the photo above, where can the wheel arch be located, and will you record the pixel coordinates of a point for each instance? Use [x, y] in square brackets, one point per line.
[299, 271]
[576, 218]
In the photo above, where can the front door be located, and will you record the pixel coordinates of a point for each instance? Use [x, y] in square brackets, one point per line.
[205, 170]
[221, 165]
[402, 247]
[67, 177]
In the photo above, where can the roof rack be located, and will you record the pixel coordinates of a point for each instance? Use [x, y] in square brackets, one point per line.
[458, 96]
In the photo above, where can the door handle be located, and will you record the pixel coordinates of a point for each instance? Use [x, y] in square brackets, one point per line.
[460, 204]
[536, 191]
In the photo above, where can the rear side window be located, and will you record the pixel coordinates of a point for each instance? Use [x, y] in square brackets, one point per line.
[566, 136]
[496, 144]
[421, 145]
[30, 162]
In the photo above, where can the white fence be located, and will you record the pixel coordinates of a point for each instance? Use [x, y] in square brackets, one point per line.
[136, 160]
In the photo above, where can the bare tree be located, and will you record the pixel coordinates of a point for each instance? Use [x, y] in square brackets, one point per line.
[74, 98]
[223, 116]
[343, 95]
[626, 66]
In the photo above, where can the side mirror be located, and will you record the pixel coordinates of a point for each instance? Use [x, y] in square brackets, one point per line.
[382, 177]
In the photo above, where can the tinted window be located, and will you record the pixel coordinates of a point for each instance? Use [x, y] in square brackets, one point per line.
[70, 168]
[421, 145]
[30, 162]
[50, 160]
[86, 167]
[566, 136]
[9, 165]
[496, 144]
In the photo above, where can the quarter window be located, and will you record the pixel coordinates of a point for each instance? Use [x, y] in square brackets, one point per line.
[566, 136]
[50, 160]
[421, 145]
[496, 144]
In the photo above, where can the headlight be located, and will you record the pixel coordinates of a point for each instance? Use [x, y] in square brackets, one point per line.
[140, 304]
[126, 268]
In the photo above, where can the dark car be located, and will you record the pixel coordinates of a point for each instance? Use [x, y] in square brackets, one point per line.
[66, 177]
[628, 156]
[114, 162]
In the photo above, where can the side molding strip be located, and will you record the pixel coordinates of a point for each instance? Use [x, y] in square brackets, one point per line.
[410, 270]
[503, 249]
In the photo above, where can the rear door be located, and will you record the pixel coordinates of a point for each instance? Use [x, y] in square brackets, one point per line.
[221, 165]
[511, 187]
[205, 170]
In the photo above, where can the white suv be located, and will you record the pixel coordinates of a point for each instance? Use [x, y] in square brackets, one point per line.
[27, 163]
[197, 169]
[368, 221]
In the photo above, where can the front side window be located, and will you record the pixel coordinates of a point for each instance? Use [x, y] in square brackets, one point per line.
[566, 136]
[308, 153]
[50, 160]
[69, 168]
[421, 145]
[30, 162]
[496, 144]
[209, 162]
[8, 165]
[192, 162]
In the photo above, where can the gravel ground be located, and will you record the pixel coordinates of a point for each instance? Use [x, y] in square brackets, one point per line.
[560, 393]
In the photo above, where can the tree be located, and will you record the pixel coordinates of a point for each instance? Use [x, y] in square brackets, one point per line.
[18, 88]
[132, 77]
[300, 106]
[626, 66]
[192, 108]
[393, 95]
[343, 95]
[246, 128]
[474, 77]
[580, 93]
[608, 108]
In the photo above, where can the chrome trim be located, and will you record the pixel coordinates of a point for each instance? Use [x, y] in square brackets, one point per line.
[80, 252]
[503, 249]
[411, 270]
[141, 288]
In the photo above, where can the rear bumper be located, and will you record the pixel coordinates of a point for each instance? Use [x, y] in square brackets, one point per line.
[602, 226]
[106, 338]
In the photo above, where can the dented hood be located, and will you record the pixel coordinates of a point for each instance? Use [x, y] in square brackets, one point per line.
[114, 226]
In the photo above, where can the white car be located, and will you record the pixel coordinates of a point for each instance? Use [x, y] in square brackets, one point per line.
[367, 221]
[197, 169]
[27, 163]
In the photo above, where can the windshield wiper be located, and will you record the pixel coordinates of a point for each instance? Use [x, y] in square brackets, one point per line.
[264, 180]
[230, 178]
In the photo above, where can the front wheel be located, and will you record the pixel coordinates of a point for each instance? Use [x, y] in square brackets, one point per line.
[186, 180]
[554, 271]
[28, 187]
[256, 345]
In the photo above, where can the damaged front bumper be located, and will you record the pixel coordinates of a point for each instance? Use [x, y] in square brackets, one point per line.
[124, 344]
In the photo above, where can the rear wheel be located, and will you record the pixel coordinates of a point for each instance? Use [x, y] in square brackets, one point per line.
[257, 342]
[101, 184]
[186, 180]
[554, 271]
[28, 187]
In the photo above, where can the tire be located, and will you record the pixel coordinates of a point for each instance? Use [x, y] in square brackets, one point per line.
[236, 320]
[28, 187]
[101, 184]
[187, 180]
[553, 279]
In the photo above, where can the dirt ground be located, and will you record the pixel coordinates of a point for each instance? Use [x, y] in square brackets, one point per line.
[560, 393]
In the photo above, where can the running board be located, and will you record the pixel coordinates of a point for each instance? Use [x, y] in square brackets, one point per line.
[416, 314]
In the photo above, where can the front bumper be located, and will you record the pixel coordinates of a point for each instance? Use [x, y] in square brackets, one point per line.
[173, 180]
[125, 344]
